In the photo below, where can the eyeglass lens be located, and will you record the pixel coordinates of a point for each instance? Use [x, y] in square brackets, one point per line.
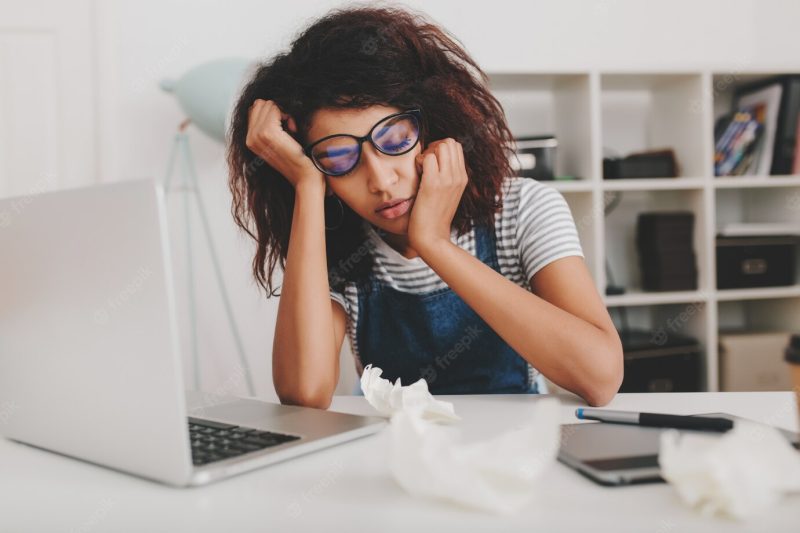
[394, 136]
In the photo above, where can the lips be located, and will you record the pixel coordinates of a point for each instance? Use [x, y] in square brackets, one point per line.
[390, 203]
[395, 209]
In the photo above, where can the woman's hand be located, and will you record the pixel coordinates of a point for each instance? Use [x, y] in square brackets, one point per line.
[443, 180]
[268, 140]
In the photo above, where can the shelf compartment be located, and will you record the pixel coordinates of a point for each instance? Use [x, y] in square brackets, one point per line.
[759, 205]
[655, 111]
[724, 86]
[558, 104]
[662, 321]
[763, 314]
[690, 318]
[620, 233]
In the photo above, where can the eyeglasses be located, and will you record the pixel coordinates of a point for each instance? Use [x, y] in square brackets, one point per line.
[336, 155]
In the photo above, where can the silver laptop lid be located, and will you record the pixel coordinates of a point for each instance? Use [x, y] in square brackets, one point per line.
[89, 356]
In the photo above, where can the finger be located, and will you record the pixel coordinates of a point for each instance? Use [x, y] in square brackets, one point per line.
[462, 166]
[252, 113]
[272, 116]
[455, 162]
[443, 158]
[253, 118]
[456, 156]
[257, 121]
[431, 147]
[272, 121]
[430, 165]
[261, 110]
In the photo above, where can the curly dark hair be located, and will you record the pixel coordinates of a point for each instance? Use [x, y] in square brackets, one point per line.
[357, 57]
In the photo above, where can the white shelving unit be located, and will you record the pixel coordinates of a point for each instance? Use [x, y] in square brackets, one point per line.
[595, 114]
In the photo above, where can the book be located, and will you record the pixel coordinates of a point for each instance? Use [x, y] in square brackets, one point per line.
[786, 133]
[796, 165]
[739, 141]
[770, 97]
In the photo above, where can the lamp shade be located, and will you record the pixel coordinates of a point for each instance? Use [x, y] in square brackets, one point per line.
[205, 93]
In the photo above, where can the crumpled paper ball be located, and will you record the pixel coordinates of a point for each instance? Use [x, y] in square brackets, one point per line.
[390, 398]
[738, 474]
[498, 475]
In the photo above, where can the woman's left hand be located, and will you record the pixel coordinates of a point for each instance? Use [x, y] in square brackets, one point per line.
[442, 183]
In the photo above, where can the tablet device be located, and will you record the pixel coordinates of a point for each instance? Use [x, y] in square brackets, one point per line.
[620, 454]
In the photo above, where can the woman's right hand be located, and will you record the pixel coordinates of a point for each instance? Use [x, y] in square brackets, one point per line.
[268, 140]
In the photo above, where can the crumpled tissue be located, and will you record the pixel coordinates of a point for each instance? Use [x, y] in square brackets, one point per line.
[738, 474]
[389, 399]
[498, 475]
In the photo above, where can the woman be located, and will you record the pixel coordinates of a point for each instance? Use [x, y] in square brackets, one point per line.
[371, 161]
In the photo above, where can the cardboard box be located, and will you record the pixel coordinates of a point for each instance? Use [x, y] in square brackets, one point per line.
[754, 361]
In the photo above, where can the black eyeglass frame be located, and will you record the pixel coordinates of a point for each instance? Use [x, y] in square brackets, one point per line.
[416, 113]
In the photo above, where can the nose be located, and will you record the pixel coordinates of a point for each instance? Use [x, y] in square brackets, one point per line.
[380, 173]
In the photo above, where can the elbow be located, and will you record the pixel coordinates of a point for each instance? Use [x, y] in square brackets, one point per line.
[315, 398]
[307, 400]
[608, 379]
[600, 396]
[302, 389]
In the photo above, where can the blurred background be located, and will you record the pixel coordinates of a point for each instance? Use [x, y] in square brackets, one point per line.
[624, 106]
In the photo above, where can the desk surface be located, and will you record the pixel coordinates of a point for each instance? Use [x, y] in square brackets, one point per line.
[348, 487]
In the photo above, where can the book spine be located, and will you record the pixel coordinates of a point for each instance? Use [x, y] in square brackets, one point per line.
[796, 166]
[729, 150]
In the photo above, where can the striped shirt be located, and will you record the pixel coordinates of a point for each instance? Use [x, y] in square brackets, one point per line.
[533, 228]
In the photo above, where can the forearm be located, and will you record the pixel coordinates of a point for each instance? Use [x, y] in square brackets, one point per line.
[304, 365]
[570, 351]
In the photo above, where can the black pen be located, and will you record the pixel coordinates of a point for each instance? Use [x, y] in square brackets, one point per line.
[707, 423]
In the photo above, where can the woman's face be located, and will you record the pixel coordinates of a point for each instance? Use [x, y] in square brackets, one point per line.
[377, 178]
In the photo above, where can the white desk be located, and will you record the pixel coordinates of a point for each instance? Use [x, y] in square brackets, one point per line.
[348, 488]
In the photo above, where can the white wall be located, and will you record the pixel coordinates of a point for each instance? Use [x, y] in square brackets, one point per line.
[137, 44]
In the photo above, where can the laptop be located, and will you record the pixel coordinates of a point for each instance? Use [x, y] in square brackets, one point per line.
[89, 348]
[621, 454]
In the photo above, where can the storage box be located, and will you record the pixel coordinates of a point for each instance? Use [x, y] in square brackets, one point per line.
[666, 251]
[753, 361]
[755, 261]
[660, 362]
[535, 157]
[652, 164]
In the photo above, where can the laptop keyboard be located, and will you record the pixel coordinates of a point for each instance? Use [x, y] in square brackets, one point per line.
[215, 441]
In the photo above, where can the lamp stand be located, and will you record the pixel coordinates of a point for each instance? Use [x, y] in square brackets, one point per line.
[189, 186]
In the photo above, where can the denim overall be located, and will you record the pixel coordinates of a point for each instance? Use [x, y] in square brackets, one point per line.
[437, 336]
